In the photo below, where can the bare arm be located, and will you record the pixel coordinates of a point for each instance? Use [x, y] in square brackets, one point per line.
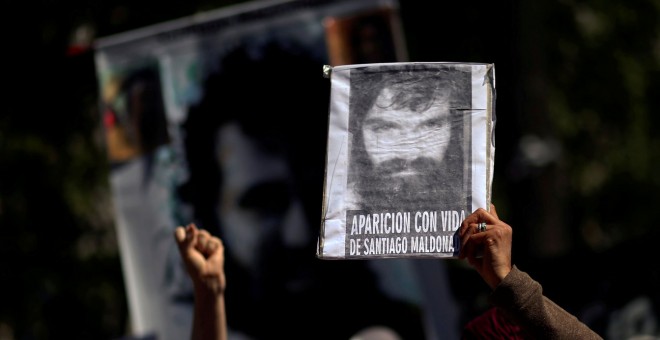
[203, 256]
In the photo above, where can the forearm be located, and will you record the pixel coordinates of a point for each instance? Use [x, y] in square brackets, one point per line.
[521, 299]
[209, 320]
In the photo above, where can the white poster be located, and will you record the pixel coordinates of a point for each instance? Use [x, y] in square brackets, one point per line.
[410, 155]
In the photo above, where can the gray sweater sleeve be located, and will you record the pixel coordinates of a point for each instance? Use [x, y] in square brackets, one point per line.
[521, 299]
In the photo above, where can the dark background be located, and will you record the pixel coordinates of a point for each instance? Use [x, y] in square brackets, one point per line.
[575, 170]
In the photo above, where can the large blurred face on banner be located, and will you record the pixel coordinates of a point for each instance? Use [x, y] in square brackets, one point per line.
[257, 207]
[246, 153]
[255, 146]
[247, 110]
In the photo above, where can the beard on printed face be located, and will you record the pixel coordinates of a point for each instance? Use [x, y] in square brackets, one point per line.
[402, 185]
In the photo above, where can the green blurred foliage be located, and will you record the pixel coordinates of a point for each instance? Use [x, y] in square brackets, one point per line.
[601, 72]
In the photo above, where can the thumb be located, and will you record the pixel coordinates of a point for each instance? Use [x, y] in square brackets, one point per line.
[185, 237]
[179, 234]
[493, 211]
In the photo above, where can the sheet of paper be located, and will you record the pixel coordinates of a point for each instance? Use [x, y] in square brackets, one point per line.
[410, 154]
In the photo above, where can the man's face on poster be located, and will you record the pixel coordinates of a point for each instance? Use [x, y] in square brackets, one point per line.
[263, 221]
[406, 141]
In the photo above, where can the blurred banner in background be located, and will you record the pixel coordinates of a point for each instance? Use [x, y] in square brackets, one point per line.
[221, 118]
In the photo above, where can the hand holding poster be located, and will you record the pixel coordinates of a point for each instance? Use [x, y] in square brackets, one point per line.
[410, 154]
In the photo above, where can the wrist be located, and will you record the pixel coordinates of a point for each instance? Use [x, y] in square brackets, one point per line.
[208, 290]
[500, 274]
[496, 276]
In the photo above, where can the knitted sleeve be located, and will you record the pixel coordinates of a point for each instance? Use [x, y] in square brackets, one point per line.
[521, 299]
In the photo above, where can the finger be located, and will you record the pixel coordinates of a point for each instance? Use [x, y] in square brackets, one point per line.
[207, 244]
[466, 247]
[213, 245]
[203, 237]
[477, 228]
[467, 239]
[478, 216]
[468, 230]
[465, 225]
[474, 227]
[485, 216]
[191, 236]
[215, 248]
[184, 236]
[493, 211]
[221, 246]
[191, 230]
[471, 247]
